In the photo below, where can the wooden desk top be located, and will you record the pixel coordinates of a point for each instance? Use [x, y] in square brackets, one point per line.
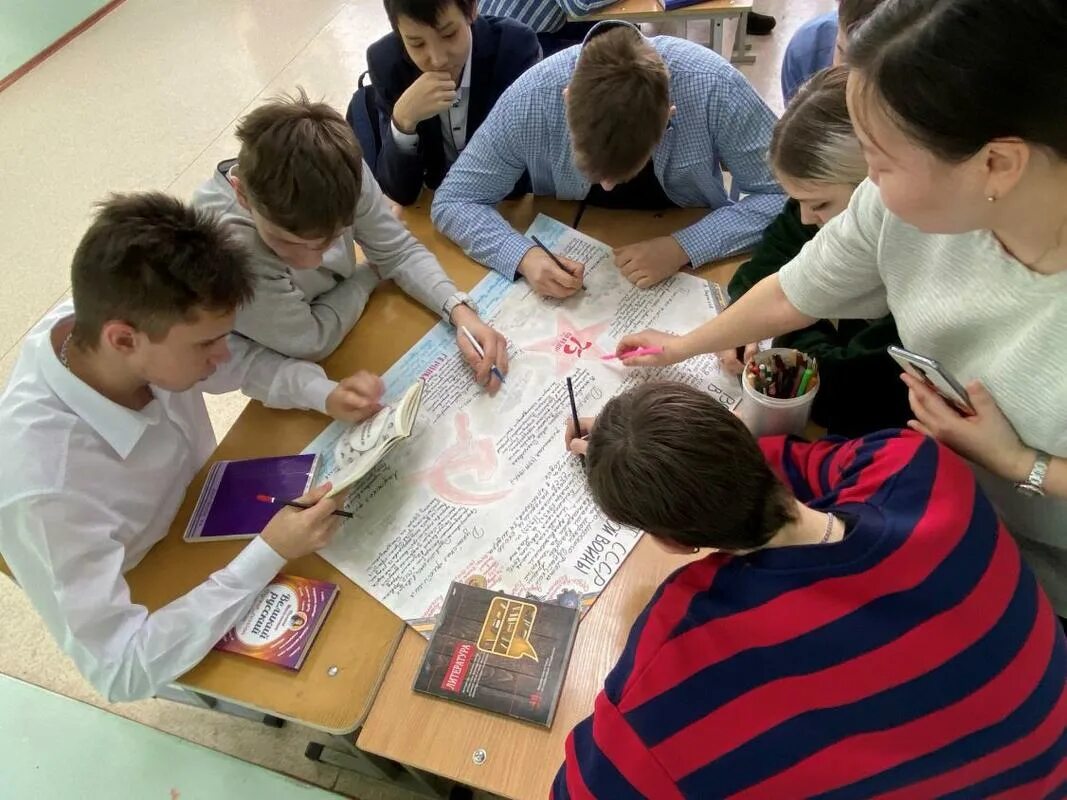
[639, 10]
[522, 759]
[360, 635]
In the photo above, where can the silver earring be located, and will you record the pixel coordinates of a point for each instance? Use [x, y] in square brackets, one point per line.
[992, 198]
[696, 549]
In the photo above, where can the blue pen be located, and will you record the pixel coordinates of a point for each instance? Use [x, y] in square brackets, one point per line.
[478, 349]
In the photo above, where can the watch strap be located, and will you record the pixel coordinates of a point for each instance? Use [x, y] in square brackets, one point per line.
[1040, 470]
[1035, 481]
[458, 299]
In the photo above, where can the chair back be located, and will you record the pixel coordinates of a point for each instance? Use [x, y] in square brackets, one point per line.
[362, 118]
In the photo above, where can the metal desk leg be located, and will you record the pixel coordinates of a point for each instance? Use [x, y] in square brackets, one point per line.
[187, 697]
[716, 35]
[343, 754]
[740, 53]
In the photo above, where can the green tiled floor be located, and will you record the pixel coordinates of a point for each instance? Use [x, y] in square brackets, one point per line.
[53, 746]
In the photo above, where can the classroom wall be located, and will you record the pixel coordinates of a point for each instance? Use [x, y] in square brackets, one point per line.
[29, 26]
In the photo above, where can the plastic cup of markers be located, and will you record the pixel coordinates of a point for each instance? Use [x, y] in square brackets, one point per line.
[774, 416]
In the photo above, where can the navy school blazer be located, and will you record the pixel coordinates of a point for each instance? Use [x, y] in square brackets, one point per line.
[502, 50]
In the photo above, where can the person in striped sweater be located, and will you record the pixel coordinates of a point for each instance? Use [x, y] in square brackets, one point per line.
[864, 626]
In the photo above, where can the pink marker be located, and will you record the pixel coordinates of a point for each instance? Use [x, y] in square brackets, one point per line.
[638, 351]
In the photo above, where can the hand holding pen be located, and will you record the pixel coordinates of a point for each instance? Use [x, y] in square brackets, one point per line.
[575, 443]
[570, 271]
[551, 275]
[575, 421]
[493, 368]
[305, 524]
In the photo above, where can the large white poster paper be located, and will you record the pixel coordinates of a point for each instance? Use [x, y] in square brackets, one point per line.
[483, 491]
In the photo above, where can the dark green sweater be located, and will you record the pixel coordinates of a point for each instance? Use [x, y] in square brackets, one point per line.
[860, 389]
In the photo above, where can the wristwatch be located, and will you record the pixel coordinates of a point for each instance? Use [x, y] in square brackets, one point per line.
[458, 299]
[1034, 485]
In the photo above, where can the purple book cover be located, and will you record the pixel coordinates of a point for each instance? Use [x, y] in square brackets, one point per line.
[228, 508]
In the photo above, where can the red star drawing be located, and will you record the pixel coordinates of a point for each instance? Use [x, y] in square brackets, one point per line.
[571, 343]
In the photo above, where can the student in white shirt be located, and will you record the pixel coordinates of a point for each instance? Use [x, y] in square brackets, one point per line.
[961, 232]
[104, 425]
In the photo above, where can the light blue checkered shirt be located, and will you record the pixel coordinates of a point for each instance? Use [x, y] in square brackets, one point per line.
[544, 16]
[720, 122]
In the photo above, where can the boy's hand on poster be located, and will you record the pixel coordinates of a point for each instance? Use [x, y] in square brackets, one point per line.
[493, 343]
[547, 279]
[578, 445]
[650, 262]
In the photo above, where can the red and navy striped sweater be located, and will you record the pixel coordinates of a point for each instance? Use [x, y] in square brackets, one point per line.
[916, 658]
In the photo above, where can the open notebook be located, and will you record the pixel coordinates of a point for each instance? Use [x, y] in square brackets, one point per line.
[362, 446]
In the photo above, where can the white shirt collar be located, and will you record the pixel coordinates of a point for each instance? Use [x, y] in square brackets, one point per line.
[465, 78]
[119, 426]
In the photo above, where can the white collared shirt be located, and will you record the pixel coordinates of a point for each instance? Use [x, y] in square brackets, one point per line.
[453, 119]
[87, 487]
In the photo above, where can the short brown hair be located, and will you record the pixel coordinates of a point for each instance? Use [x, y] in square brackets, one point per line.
[300, 166]
[151, 261]
[814, 140]
[671, 460]
[853, 12]
[618, 104]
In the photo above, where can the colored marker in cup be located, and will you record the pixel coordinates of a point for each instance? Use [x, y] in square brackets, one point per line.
[637, 351]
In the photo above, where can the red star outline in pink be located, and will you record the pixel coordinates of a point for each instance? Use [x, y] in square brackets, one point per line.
[571, 343]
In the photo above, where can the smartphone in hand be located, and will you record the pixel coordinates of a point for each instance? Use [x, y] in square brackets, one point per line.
[935, 376]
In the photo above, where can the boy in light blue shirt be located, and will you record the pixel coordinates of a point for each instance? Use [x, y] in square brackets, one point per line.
[622, 122]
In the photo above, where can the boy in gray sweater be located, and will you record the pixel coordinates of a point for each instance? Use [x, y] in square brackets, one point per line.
[299, 198]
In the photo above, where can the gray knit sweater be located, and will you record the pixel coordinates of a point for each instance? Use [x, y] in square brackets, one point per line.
[305, 313]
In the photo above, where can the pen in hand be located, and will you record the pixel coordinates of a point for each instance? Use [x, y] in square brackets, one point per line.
[266, 498]
[637, 351]
[552, 255]
[478, 349]
[574, 415]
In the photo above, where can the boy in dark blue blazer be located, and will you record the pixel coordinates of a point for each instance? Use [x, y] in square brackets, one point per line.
[435, 78]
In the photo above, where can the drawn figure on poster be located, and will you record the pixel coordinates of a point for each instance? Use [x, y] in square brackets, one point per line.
[571, 342]
[467, 456]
